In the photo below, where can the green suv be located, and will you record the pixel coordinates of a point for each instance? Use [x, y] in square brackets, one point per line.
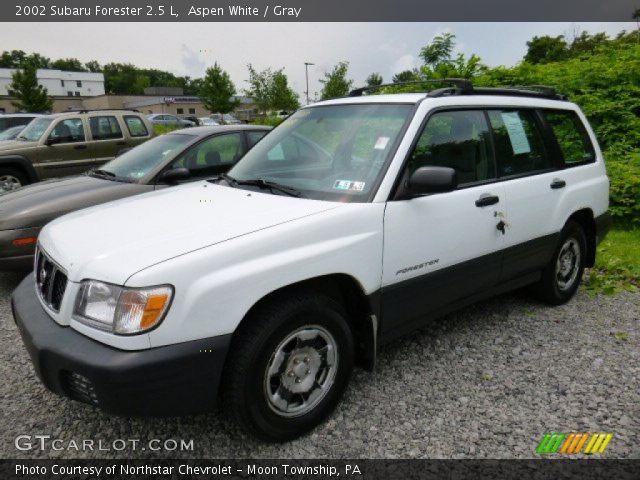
[69, 143]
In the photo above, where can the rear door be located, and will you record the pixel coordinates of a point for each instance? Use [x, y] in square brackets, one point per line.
[442, 248]
[529, 170]
[108, 137]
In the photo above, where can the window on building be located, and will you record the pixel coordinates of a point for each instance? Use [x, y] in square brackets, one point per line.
[69, 94]
[62, 83]
[192, 111]
[78, 83]
[104, 128]
[77, 94]
[180, 111]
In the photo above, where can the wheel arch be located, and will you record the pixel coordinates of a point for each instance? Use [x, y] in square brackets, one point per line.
[362, 309]
[20, 163]
[585, 218]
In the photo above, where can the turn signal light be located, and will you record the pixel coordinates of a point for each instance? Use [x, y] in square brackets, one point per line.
[21, 242]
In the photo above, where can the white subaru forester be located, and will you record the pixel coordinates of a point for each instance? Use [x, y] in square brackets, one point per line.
[353, 222]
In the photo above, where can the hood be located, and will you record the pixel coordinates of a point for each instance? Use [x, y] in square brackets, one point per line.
[10, 145]
[111, 242]
[37, 204]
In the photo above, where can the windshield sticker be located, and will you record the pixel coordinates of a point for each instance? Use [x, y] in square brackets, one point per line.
[517, 135]
[381, 143]
[349, 185]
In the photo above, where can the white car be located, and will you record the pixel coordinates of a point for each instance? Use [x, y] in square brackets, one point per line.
[355, 221]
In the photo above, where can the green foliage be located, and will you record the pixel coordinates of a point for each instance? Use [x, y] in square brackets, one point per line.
[405, 76]
[624, 190]
[335, 83]
[439, 50]
[69, 65]
[374, 80]
[162, 129]
[271, 121]
[270, 90]
[217, 90]
[617, 265]
[546, 49]
[31, 97]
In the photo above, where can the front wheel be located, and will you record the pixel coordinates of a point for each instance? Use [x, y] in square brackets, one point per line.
[288, 366]
[562, 275]
[11, 179]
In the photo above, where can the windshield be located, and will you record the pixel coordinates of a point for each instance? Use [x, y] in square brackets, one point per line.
[11, 133]
[328, 152]
[139, 161]
[35, 129]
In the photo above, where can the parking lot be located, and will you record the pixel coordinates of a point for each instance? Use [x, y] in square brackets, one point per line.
[486, 382]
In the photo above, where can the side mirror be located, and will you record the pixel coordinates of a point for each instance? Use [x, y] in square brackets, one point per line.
[52, 141]
[427, 180]
[175, 175]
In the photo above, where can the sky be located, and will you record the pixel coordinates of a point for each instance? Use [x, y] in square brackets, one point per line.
[189, 48]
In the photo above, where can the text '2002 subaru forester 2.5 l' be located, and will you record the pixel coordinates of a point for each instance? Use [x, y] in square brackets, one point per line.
[353, 222]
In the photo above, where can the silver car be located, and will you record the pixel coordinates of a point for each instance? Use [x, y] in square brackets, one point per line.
[172, 120]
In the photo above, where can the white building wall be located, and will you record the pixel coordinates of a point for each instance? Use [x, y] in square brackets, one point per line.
[60, 83]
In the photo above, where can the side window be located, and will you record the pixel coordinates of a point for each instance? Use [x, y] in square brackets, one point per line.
[104, 128]
[212, 156]
[254, 137]
[69, 130]
[571, 135]
[457, 139]
[518, 142]
[136, 126]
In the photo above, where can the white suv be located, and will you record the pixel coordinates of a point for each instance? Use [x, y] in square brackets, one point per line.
[355, 221]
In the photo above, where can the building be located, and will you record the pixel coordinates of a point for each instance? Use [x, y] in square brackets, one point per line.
[60, 83]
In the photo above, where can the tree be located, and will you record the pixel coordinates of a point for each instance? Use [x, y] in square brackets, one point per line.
[374, 80]
[282, 96]
[31, 97]
[335, 83]
[546, 49]
[217, 90]
[93, 66]
[260, 88]
[405, 76]
[439, 50]
[69, 65]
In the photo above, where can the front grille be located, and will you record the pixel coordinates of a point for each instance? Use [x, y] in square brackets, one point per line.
[51, 281]
[79, 387]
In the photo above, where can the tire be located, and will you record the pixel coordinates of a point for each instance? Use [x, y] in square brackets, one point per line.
[562, 275]
[270, 369]
[12, 178]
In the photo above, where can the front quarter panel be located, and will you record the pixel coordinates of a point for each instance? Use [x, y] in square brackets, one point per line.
[216, 286]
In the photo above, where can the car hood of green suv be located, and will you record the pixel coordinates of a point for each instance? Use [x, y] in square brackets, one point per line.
[11, 145]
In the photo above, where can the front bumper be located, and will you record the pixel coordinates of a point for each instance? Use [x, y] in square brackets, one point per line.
[172, 380]
[19, 258]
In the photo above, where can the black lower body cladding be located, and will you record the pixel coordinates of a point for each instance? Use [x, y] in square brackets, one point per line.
[172, 380]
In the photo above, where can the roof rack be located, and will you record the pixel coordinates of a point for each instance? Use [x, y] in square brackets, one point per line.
[462, 86]
[89, 110]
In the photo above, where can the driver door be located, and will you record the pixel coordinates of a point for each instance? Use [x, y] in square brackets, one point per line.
[66, 150]
[440, 249]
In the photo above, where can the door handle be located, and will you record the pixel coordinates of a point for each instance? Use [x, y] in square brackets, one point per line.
[557, 183]
[486, 199]
[80, 147]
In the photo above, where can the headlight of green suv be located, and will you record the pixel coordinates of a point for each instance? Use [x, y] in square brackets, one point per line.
[121, 310]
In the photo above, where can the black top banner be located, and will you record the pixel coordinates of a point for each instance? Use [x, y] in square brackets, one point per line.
[316, 10]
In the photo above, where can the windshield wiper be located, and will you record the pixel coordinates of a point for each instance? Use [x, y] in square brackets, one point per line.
[260, 183]
[223, 176]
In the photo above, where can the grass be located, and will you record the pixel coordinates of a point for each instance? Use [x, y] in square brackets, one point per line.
[617, 267]
[162, 129]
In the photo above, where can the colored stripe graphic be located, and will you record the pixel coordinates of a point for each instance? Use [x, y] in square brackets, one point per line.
[572, 443]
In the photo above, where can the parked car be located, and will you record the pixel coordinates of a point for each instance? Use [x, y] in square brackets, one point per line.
[195, 121]
[225, 119]
[69, 143]
[15, 119]
[178, 157]
[208, 121]
[11, 133]
[170, 120]
[353, 222]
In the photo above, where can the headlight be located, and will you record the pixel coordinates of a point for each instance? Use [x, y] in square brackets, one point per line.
[121, 310]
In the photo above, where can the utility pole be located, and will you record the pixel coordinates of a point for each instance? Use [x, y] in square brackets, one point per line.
[306, 74]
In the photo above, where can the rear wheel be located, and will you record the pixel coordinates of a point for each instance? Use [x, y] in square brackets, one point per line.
[288, 366]
[561, 277]
[11, 178]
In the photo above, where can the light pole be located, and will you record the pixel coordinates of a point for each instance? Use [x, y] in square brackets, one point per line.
[306, 74]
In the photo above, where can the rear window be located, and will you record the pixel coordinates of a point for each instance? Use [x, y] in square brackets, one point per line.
[136, 126]
[571, 135]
